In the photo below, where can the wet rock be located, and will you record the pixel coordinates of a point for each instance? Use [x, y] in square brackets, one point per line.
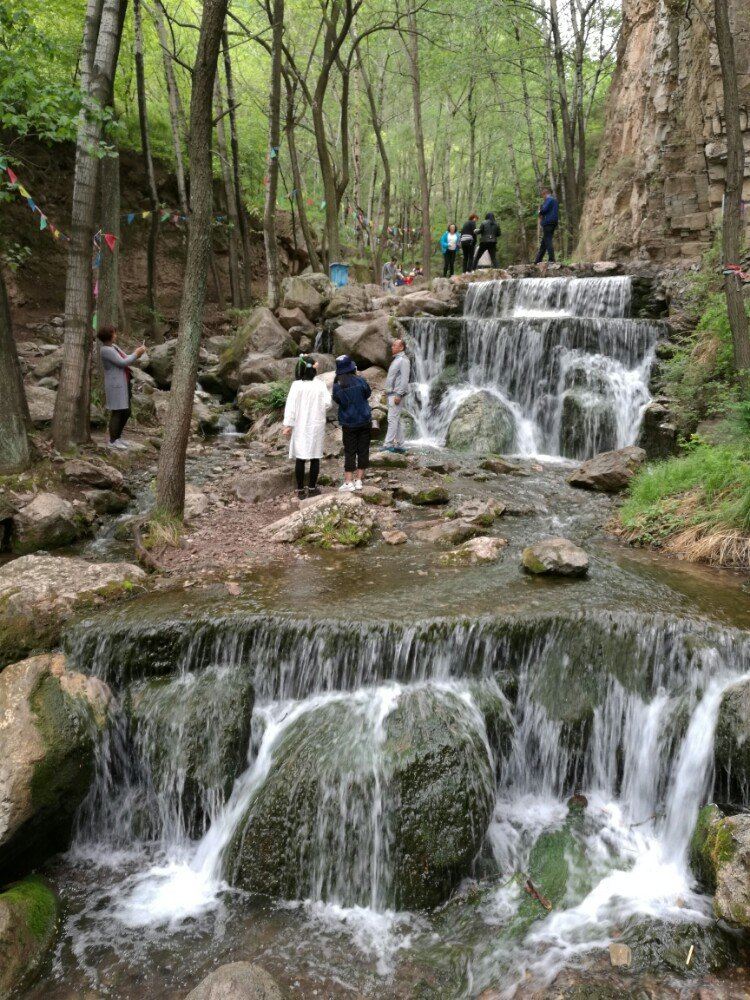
[348, 301]
[448, 532]
[192, 732]
[435, 784]
[481, 512]
[38, 593]
[374, 495]
[482, 549]
[50, 720]
[220, 381]
[261, 368]
[395, 537]
[662, 947]
[388, 460]
[106, 501]
[48, 522]
[720, 853]
[587, 424]
[422, 496]
[237, 981]
[500, 466]
[609, 472]
[482, 423]
[29, 914]
[620, 955]
[555, 557]
[366, 339]
[41, 404]
[337, 520]
[707, 845]
[300, 294]
[732, 744]
[658, 435]
[97, 474]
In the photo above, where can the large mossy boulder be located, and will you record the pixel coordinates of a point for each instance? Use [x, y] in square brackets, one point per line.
[47, 522]
[349, 790]
[555, 557]
[191, 733]
[720, 856]
[732, 745]
[588, 424]
[331, 521]
[50, 722]
[297, 293]
[29, 914]
[482, 424]
[661, 947]
[39, 593]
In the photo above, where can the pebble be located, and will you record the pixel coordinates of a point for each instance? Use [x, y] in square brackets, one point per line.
[620, 955]
[395, 537]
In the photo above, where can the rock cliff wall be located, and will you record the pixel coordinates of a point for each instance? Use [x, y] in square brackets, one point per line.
[657, 190]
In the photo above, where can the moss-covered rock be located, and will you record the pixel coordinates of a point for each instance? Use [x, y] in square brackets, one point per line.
[349, 791]
[482, 424]
[28, 923]
[662, 946]
[50, 719]
[709, 845]
[192, 734]
[732, 745]
[331, 521]
[422, 496]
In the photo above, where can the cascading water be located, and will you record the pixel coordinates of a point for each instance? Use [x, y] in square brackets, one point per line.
[314, 805]
[559, 356]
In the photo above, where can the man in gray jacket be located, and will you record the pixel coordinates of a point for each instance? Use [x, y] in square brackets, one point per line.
[396, 389]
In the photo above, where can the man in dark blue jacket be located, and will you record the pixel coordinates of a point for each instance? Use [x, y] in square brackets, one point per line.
[549, 214]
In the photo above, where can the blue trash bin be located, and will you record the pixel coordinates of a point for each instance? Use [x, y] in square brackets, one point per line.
[339, 274]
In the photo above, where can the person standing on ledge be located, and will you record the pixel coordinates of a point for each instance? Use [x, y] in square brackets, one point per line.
[351, 392]
[468, 241]
[449, 242]
[305, 423]
[396, 389]
[487, 236]
[117, 376]
[549, 214]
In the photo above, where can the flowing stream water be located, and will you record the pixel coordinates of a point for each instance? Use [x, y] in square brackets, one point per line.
[560, 354]
[259, 713]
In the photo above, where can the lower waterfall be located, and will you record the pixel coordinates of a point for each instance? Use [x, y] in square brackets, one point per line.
[300, 780]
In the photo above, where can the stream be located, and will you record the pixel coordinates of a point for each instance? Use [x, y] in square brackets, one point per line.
[348, 773]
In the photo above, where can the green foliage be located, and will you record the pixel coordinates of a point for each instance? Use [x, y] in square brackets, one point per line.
[335, 528]
[720, 475]
[35, 904]
[274, 400]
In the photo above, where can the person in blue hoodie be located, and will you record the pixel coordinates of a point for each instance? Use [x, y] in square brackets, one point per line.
[449, 244]
[549, 214]
[351, 392]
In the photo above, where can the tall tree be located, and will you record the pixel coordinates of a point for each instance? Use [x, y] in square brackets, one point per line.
[148, 163]
[275, 9]
[412, 51]
[732, 225]
[246, 290]
[109, 302]
[14, 412]
[230, 200]
[170, 481]
[101, 45]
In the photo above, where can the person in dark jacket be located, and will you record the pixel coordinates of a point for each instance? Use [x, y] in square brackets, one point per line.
[549, 214]
[351, 392]
[487, 240]
[469, 242]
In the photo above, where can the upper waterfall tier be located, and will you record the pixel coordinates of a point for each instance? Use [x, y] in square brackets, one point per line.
[550, 366]
[598, 297]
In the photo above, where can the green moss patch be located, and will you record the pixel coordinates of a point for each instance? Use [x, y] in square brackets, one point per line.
[335, 528]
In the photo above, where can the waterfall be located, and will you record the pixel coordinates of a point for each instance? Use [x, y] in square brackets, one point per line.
[619, 708]
[560, 354]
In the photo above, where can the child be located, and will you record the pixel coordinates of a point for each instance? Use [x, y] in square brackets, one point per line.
[351, 392]
[305, 423]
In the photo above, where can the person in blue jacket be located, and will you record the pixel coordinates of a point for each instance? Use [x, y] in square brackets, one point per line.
[449, 244]
[351, 392]
[549, 214]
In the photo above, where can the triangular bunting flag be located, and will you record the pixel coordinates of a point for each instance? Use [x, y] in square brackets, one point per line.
[110, 239]
[131, 216]
[42, 221]
[11, 176]
[23, 192]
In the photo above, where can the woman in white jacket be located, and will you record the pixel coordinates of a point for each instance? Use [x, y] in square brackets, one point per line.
[305, 423]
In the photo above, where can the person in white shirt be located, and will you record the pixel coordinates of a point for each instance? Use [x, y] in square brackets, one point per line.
[305, 424]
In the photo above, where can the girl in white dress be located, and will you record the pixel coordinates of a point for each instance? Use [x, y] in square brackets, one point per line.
[305, 423]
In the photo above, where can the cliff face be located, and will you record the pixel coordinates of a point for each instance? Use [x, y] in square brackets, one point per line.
[657, 189]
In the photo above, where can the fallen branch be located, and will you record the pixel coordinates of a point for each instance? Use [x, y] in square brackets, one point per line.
[534, 892]
[144, 557]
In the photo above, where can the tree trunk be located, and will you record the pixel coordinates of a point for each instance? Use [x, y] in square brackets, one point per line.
[412, 50]
[269, 215]
[71, 419]
[14, 412]
[312, 250]
[229, 198]
[527, 109]
[176, 114]
[385, 188]
[108, 305]
[148, 163]
[170, 482]
[245, 287]
[570, 180]
[732, 224]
